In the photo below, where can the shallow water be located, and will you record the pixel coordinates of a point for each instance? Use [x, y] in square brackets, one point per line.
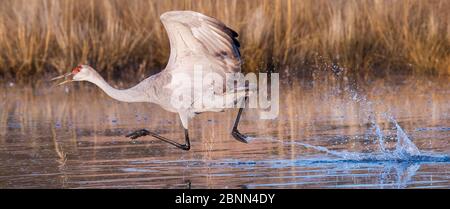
[326, 136]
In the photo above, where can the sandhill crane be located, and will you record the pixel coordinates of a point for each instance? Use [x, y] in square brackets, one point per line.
[195, 39]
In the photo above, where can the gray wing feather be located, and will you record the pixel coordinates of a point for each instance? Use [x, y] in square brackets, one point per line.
[198, 39]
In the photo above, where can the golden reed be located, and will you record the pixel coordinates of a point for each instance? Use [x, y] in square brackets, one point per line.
[39, 37]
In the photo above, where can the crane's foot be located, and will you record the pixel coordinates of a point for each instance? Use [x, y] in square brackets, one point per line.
[145, 132]
[238, 136]
[138, 133]
[185, 147]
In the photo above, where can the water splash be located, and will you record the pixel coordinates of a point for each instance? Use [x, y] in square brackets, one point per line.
[405, 149]
[379, 135]
[347, 156]
[340, 154]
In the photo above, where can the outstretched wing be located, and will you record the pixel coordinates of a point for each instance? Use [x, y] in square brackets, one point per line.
[196, 39]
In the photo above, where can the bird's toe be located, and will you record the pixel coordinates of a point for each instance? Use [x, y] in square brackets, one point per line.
[138, 133]
[240, 137]
[185, 147]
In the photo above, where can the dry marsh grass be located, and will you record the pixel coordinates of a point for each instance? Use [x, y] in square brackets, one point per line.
[39, 37]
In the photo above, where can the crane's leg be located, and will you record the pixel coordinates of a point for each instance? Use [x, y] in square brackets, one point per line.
[235, 132]
[145, 132]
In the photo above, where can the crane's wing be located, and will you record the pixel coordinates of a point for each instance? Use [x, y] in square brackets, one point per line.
[196, 39]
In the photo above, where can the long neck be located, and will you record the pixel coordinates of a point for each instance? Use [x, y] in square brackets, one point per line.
[133, 94]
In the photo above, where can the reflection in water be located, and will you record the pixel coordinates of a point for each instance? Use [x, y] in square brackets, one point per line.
[327, 136]
[403, 173]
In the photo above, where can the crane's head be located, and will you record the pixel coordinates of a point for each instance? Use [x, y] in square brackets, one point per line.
[80, 73]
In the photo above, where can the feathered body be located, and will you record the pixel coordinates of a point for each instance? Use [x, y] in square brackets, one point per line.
[197, 42]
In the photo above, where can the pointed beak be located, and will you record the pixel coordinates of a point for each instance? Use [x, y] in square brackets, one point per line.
[67, 78]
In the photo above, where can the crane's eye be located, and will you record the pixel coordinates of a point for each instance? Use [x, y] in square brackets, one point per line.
[76, 70]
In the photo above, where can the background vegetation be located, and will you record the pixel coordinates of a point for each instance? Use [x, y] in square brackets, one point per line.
[42, 37]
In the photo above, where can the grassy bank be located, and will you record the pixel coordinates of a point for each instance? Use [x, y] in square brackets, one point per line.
[39, 37]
